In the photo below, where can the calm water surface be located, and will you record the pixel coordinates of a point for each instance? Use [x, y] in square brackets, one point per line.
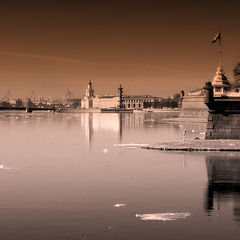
[62, 174]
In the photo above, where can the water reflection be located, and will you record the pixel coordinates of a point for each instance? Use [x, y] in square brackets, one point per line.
[53, 187]
[223, 182]
[118, 124]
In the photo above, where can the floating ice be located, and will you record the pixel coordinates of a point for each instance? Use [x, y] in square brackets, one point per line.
[131, 145]
[3, 167]
[105, 150]
[163, 216]
[120, 205]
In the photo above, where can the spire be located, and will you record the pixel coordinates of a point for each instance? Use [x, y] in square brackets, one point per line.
[220, 79]
[89, 90]
[218, 39]
[220, 82]
[219, 52]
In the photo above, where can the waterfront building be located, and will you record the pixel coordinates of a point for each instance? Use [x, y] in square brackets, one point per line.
[106, 101]
[140, 102]
[99, 101]
[73, 102]
[113, 101]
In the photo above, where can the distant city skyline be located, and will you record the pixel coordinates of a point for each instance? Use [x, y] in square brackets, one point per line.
[149, 47]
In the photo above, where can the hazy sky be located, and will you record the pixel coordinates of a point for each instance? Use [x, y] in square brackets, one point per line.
[150, 47]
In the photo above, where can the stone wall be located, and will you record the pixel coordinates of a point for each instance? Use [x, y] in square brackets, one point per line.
[223, 126]
[193, 107]
[194, 102]
[223, 168]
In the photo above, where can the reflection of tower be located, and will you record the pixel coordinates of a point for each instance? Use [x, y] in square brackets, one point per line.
[87, 126]
[120, 96]
[223, 182]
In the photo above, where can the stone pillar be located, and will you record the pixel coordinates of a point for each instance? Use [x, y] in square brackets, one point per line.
[209, 100]
[120, 96]
[208, 93]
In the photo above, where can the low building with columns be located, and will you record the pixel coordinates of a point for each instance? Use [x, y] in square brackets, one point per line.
[140, 102]
[106, 101]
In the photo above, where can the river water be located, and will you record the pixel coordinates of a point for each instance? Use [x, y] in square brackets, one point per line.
[84, 176]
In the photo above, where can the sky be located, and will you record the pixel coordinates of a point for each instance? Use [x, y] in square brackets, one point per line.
[150, 47]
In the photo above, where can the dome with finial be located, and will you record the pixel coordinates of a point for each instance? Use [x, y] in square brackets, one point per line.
[220, 80]
[220, 83]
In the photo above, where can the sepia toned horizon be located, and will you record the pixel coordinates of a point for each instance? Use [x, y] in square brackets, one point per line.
[147, 46]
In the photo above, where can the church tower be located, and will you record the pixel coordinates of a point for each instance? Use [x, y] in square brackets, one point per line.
[89, 90]
[88, 99]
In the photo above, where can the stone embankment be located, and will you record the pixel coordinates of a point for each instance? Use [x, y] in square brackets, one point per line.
[198, 145]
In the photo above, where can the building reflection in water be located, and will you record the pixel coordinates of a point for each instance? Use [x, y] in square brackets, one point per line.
[114, 124]
[94, 123]
[223, 182]
[109, 122]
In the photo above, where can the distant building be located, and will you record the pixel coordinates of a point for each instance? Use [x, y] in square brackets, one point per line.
[140, 102]
[88, 98]
[106, 101]
[113, 101]
[73, 102]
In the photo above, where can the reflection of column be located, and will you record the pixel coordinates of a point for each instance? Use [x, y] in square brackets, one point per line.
[121, 115]
[208, 206]
[223, 182]
[90, 128]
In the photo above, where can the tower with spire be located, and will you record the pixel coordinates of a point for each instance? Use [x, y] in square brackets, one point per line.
[220, 83]
[89, 90]
[88, 99]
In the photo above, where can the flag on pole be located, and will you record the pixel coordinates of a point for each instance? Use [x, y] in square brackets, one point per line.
[217, 37]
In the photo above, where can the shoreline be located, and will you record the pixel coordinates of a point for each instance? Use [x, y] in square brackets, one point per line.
[220, 145]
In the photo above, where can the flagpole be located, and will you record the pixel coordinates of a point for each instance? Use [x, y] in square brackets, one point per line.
[220, 53]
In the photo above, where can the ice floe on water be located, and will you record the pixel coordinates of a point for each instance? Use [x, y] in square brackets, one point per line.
[163, 216]
[120, 205]
[3, 167]
[105, 150]
[131, 145]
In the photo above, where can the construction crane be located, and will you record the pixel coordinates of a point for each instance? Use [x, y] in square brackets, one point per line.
[69, 94]
[8, 95]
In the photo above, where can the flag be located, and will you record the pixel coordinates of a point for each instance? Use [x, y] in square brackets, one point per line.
[217, 37]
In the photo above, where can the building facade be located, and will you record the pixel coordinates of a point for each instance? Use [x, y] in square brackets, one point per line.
[89, 96]
[91, 101]
[113, 101]
[140, 102]
[106, 101]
